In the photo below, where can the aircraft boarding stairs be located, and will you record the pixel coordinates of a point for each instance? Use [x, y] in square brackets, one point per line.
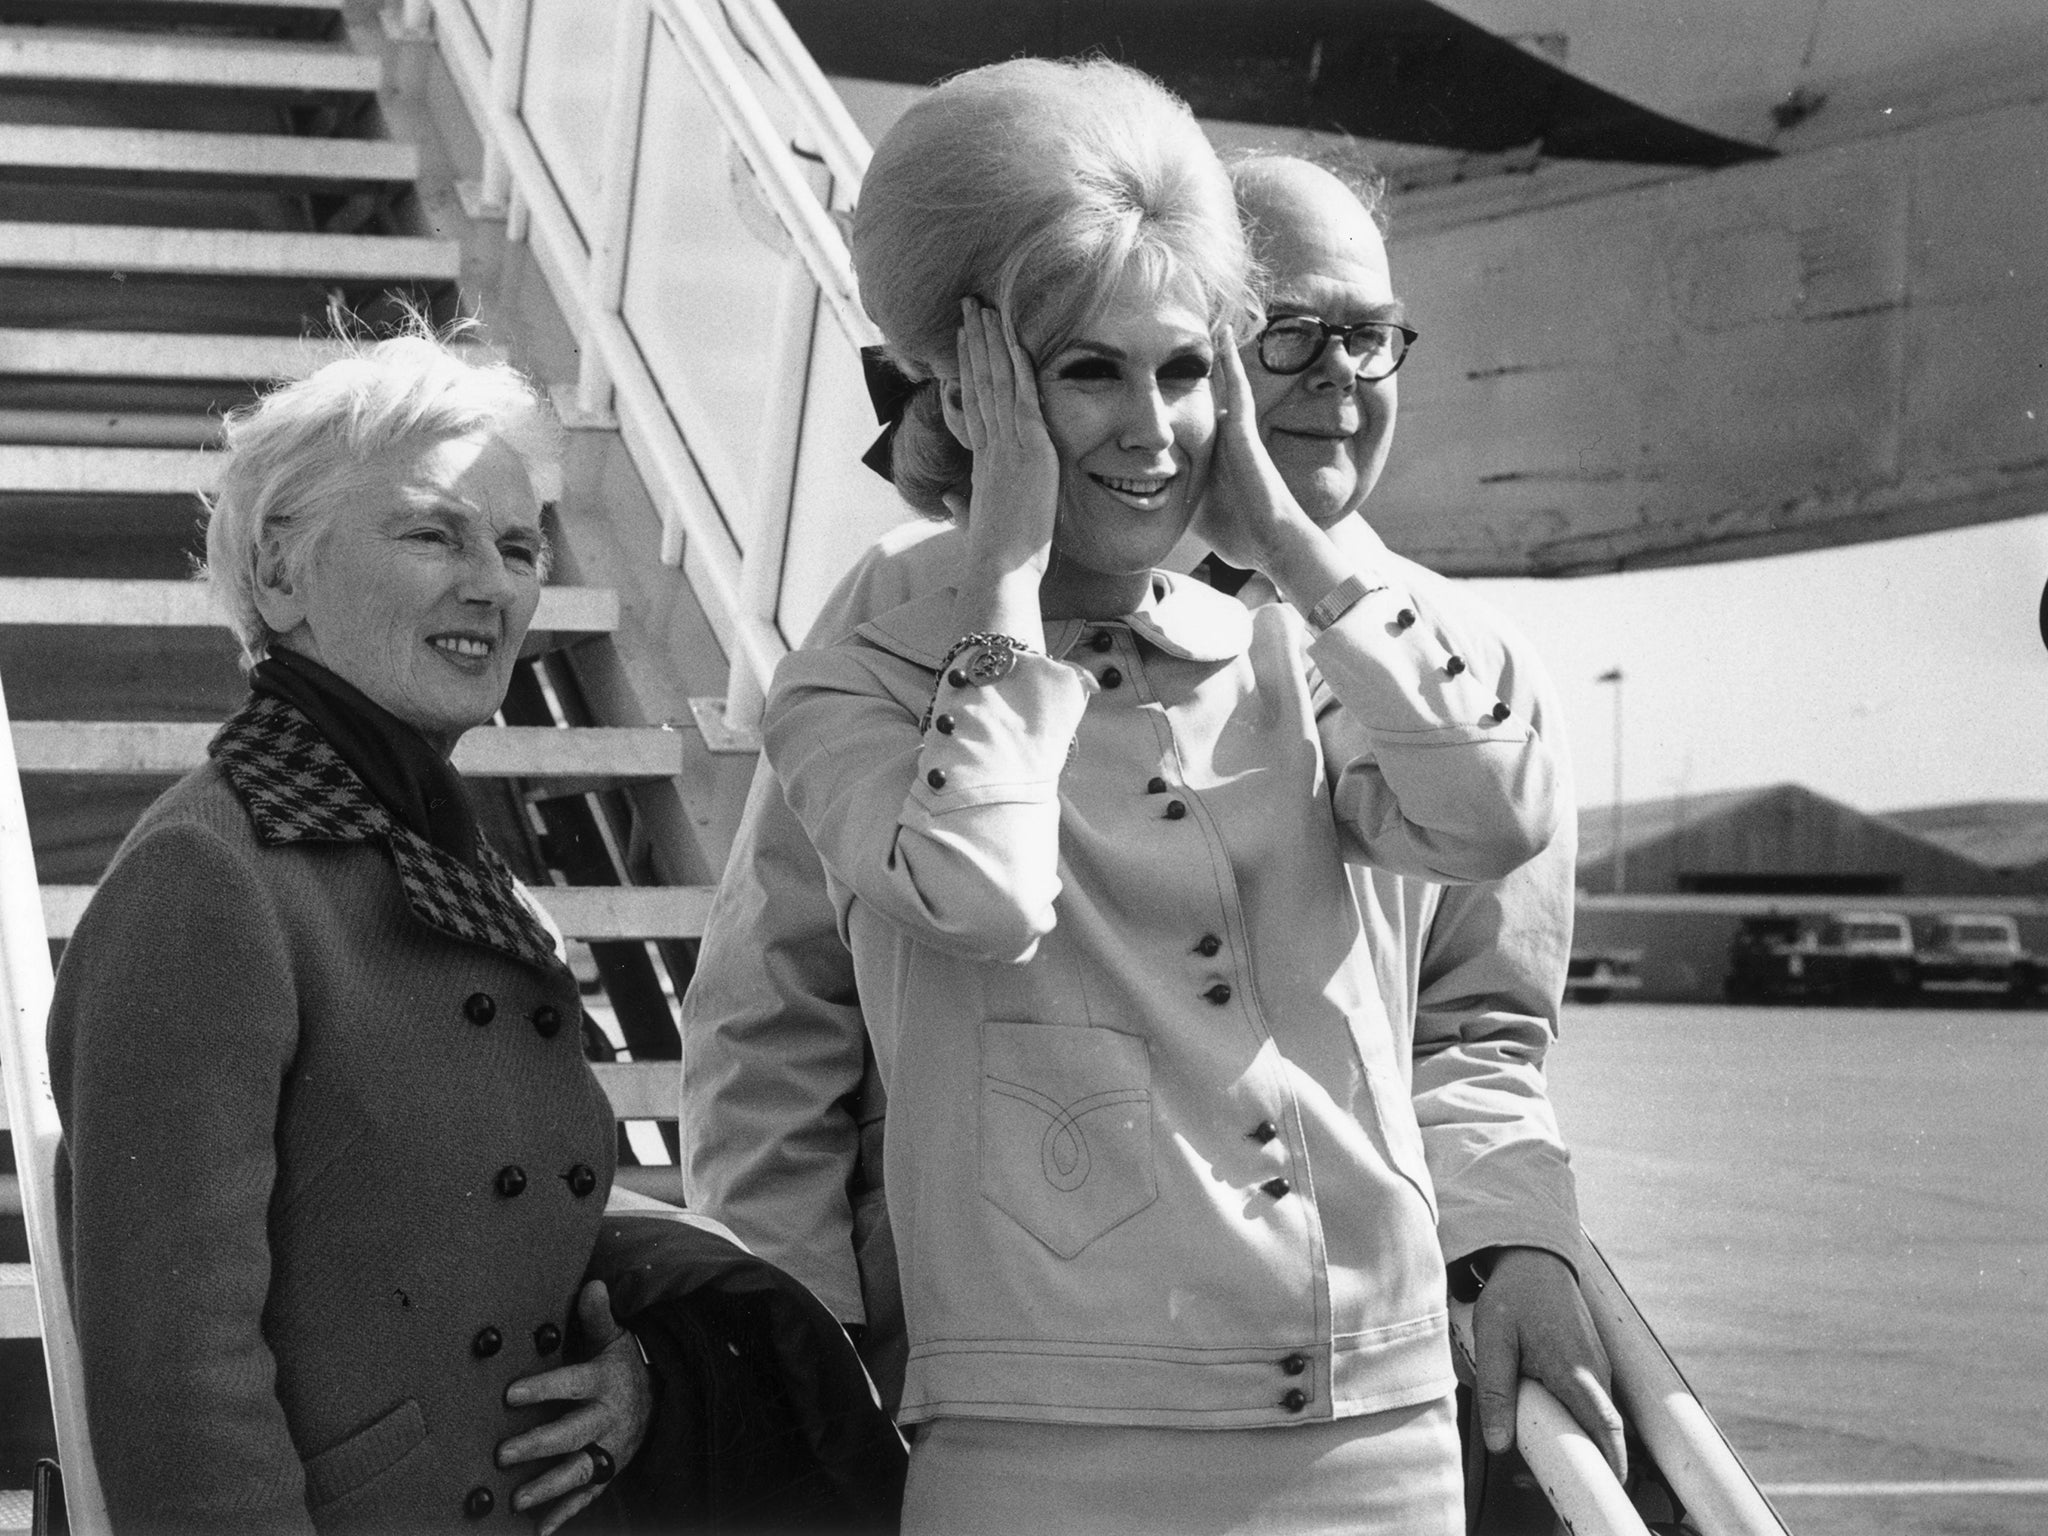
[186, 188]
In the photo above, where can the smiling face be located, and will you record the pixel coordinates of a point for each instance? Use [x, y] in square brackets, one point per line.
[1127, 404]
[1328, 433]
[420, 590]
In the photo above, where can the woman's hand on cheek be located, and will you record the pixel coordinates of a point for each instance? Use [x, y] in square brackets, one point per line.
[1016, 471]
[1247, 513]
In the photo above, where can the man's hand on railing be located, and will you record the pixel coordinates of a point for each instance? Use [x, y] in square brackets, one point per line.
[1530, 1320]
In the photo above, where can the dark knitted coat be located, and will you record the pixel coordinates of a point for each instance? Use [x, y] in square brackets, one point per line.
[333, 1161]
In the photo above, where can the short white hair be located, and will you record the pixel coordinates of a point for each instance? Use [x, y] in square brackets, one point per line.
[292, 455]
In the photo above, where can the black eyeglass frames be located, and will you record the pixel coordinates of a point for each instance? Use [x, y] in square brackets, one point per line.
[1293, 343]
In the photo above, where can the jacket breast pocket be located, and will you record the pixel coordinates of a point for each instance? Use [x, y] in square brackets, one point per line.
[358, 1463]
[1066, 1129]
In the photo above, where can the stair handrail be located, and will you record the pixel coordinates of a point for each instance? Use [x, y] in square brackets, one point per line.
[767, 33]
[1719, 1495]
[26, 983]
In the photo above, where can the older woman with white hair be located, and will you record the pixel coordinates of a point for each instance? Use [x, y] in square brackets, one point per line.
[335, 1170]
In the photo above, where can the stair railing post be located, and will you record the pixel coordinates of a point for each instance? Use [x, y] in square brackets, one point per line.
[491, 196]
[617, 178]
[25, 987]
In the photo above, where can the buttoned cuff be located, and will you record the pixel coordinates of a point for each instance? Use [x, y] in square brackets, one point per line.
[1399, 675]
[1002, 742]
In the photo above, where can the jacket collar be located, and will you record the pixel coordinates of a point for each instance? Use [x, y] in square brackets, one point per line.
[296, 789]
[1179, 615]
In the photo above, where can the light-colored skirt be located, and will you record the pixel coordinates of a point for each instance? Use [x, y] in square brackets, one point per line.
[1383, 1474]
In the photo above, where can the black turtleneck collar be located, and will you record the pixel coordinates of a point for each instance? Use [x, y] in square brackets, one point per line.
[395, 762]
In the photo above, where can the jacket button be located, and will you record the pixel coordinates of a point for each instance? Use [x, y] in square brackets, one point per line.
[1175, 809]
[1277, 1188]
[1404, 619]
[488, 1342]
[1294, 1365]
[547, 1023]
[1111, 678]
[1263, 1132]
[1500, 713]
[1454, 666]
[943, 724]
[1103, 640]
[957, 678]
[1219, 994]
[582, 1180]
[479, 1008]
[1295, 1400]
[1155, 786]
[1208, 945]
[478, 1503]
[547, 1338]
[511, 1180]
[936, 778]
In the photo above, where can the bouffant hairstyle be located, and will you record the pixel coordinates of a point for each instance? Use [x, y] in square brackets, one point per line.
[1042, 188]
[296, 457]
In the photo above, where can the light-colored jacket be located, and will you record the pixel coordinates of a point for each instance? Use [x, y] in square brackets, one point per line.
[781, 1110]
[1152, 1157]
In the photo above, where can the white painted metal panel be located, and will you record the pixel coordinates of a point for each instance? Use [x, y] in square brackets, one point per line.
[38, 468]
[641, 1090]
[226, 252]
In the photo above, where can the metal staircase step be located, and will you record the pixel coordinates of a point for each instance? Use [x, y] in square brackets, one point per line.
[18, 1316]
[185, 605]
[53, 55]
[563, 611]
[143, 249]
[130, 429]
[54, 469]
[588, 912]
[609, 753]
[274, 159]
[169, 355]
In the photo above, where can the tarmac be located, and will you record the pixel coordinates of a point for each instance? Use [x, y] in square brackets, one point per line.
[1837, 1220]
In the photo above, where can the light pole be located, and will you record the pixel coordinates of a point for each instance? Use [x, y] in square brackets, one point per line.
[1613, 675]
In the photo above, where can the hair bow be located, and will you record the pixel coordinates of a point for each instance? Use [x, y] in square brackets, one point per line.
[889, 391]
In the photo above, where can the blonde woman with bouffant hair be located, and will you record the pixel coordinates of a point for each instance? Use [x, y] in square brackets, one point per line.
[1165, 1235]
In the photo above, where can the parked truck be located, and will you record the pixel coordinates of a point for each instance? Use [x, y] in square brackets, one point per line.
[1864, 958]
[1975, 957]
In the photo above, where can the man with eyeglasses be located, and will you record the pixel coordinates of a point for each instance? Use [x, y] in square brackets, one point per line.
[782, 1113]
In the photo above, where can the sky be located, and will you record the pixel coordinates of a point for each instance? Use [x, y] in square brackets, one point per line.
[1902, 673]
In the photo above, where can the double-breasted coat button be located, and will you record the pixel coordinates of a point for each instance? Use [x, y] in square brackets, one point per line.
[511, 1180]
[1175, 809]
[479, 1008]
[1208, 944]
[488, 1342]
[1500, 713]
[1294, 1365]
[936, 778]
[1454, 666]
[1111, 678]
[1277, 1188]
[957, 678]
[1295, 1400]
[1103, 640]
[943, 725]
[1263, 1132]
[582, 1180]
[479, 1502]
[1219, 994]
[547, 1021]
[1155, 785]
[547, 1338]
[1404, 619]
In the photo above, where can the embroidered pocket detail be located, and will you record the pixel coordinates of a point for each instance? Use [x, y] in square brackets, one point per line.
[1066, 1130]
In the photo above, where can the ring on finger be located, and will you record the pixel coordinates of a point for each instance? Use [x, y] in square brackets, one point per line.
[602, 1468]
